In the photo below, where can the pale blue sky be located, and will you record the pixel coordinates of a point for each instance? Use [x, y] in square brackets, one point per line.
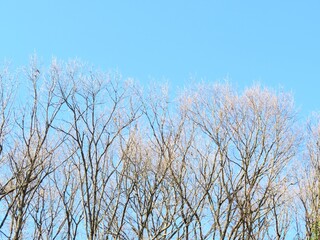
[273, 42]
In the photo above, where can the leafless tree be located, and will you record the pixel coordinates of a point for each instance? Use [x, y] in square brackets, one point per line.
[156, 199]
[98, 108]
[7, 94]
[253, 141]
[30, 159]
[308, 185]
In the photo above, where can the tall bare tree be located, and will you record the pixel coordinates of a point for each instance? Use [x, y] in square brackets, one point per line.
[30, 159]
[253, 141]
[308, 181]
[99, 107]
[7, 94]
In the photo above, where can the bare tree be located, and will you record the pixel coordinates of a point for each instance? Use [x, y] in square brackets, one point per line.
[253, 140]
[29, 160]
[7, 94]
[307, 178]
[99, 109]
[154, 201]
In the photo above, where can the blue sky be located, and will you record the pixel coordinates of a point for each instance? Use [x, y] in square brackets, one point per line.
[276, 43]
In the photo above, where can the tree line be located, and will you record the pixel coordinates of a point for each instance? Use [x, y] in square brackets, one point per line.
[88, 155]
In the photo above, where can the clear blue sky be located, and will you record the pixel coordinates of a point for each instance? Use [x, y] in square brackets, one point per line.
[274, 42]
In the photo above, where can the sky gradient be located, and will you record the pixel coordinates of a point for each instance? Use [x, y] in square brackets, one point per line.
[276, 43]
